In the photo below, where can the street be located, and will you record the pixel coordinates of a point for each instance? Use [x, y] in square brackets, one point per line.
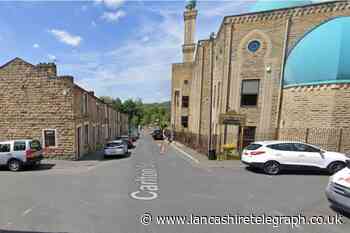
[103, 196]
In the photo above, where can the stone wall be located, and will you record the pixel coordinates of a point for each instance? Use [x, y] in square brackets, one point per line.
[34, 98]
[180, 73]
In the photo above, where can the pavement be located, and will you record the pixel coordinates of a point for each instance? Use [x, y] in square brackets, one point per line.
[121, 195]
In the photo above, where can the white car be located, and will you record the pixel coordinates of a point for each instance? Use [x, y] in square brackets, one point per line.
[117, 147]
[273, 156]
[338, 189]
[16, 154]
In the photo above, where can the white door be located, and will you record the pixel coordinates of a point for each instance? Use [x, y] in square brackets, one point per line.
[309, 156]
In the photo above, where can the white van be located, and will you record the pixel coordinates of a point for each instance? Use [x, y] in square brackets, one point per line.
[338, 189]
[16, 154]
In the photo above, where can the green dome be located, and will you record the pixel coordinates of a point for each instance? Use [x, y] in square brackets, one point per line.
[265, 5]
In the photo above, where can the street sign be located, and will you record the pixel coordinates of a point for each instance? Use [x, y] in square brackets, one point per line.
[232, 118]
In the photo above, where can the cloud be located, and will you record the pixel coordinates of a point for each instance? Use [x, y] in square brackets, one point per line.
[111, 4]
[93, 23]
[36, 46]
[51, 57]
[113, 16]
[66, 38]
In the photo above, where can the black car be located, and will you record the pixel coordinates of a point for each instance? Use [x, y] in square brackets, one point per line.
[157, 134]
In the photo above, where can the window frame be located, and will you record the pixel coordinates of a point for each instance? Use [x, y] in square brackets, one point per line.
[44, 141]
[257, 94]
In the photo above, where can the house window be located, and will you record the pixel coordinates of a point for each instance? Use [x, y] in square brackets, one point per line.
[49, 138]
[86, 134]
[185, 101]
[249, 92]
[184, 121]
[84, 104]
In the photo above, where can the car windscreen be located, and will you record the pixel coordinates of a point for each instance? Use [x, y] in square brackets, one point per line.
[253, 146]
[35, 145]
[114, 144]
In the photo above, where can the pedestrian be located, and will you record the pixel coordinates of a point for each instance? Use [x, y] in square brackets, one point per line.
[165, 142]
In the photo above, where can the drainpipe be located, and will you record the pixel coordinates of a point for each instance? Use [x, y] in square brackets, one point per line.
[284, 59]
[201, 95]
[228, 82]
[212, 37]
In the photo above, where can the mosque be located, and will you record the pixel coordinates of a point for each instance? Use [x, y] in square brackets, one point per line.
[279, 71]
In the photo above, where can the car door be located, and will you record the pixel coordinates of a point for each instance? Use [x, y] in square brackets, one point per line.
[309, 155]
[5, 153]
[284, 153]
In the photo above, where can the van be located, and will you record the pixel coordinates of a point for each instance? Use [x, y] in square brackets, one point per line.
[16, 154]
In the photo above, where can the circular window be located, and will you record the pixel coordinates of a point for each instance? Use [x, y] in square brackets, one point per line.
[254, 46]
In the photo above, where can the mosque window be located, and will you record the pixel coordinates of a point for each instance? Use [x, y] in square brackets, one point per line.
[185, 101]
[249, 92]
[254, 46]
[184, 121]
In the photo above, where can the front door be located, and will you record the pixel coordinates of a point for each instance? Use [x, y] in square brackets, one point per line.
[78, 142]
[248, 136]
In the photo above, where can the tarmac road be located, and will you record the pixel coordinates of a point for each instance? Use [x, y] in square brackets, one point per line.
[113, 195]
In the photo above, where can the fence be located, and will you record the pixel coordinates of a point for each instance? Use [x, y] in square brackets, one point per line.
[333, 139]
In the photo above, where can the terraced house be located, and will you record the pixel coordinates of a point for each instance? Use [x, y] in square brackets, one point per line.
[68, 120]
[280, 70]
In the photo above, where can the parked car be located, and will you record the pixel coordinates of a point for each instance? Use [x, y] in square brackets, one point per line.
[274, 156]
[134, 136]
[117, 147]
[16, 154]
[157, 134]
[338, 189]
[127, 140]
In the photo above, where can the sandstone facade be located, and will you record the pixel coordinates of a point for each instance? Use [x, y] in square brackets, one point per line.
[38, 104]
[222, 64]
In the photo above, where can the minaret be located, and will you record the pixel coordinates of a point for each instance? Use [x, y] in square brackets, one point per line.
[189, 46]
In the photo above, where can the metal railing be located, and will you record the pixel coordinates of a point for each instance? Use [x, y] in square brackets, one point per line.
[333, 139]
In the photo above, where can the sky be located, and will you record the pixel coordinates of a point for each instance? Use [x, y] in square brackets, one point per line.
[116, 48]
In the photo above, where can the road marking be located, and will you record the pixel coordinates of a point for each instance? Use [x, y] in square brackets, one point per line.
[185, 153]
[27, 211]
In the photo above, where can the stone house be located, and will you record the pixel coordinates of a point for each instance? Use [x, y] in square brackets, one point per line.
[265, 65]
[38, 104]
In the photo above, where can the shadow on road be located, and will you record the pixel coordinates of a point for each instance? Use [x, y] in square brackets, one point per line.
[292, 172]
[41, 167]
[10, 231]
[340, 211]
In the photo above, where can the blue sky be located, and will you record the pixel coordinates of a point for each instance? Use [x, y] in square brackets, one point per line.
[117, 48]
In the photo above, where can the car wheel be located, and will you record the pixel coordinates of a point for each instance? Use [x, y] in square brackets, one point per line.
[14, 165]
[272, 168]
[335, 167]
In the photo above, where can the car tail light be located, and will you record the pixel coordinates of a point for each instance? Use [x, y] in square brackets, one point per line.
[29, 153]
[257, 152]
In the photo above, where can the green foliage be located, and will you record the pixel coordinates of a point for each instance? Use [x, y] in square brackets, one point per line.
[140, 113]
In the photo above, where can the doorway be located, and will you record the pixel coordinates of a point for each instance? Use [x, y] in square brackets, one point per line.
[248, 135]
[78, 142]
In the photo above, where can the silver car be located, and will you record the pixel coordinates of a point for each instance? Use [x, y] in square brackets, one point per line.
[338, 189]
[16, 154]
[117, 147]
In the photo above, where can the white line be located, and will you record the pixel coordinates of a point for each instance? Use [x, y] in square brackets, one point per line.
[27, 211]
[185, 153]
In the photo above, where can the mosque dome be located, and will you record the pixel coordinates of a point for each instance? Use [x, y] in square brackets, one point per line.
[265, 5]
[322, 56]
